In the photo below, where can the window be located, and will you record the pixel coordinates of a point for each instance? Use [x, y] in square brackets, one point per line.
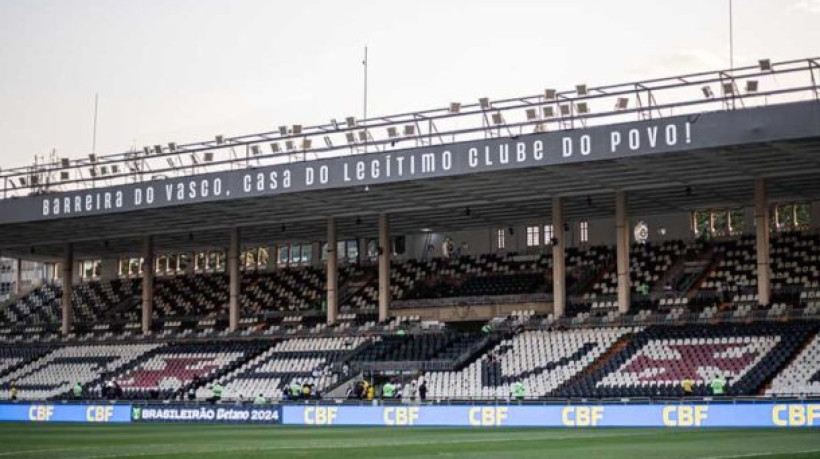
[736, 221]
[307, 253]
[549, 234]
[501, 238]
[263, 258]
[183, 261]
[584, 231]
[533, 236]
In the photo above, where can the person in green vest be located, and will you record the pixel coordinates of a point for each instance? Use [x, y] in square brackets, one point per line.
[295, 390]
[260, 400]
[77, 390]
[487, 329]
[519, 391]
[401, 332]
[644, 289]
[718, 385]
[389, 390]
[217, 390]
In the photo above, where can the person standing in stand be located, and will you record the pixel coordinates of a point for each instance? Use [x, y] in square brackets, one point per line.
[423, 391]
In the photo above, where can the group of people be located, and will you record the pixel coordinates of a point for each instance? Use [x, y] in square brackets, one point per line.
[297, 391]
[364, 390]
[717, 386]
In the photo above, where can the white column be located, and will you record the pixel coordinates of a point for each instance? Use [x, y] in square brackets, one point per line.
[622, 242]
[384, 267]
[762, 233]
[332, 272]
[68, 275]
[559, 273]
[148, 270]
[233, 280]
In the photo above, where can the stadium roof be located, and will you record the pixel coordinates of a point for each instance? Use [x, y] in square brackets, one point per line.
[736, 137]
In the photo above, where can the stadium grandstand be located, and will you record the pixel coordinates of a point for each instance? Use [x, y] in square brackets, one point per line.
[600, 243]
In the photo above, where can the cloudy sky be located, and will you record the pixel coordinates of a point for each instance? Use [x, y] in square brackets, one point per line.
[185, 70]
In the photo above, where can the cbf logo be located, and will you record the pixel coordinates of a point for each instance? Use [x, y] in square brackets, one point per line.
[136, 413]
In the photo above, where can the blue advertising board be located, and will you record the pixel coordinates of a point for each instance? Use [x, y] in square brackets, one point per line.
[207, 414]
[34, 412]
[672, 415]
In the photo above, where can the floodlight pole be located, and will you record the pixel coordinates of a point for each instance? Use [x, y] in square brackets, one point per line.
[364, 103]
[731, 38]
[94, 135]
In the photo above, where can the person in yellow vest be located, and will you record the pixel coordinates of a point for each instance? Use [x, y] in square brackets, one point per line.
[688, 387]
[371, 392]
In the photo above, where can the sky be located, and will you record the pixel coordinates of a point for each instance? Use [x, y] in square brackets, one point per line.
[187, 70]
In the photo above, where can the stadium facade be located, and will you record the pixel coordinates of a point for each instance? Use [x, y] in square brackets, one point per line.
[625, 212]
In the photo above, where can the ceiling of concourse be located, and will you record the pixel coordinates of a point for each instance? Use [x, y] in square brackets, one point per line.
[655, 184]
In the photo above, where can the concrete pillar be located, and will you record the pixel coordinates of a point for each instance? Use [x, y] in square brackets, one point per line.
[18, 282]
[332, 272]
[622, 243]
[148, 271]
[559, 271]
[762, 233]
[384, 268]
[68, 275]
[233, 279]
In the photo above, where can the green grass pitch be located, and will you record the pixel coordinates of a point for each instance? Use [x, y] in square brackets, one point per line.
[54, 441]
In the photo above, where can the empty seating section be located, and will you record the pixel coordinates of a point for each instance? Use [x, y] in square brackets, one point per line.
[541, 360]
[656, 360]
[290, 289]
[90, 301]
[302, 360]
[422, 347]
[647, 265]
[170, 369]
[802, 375]
[54, 374]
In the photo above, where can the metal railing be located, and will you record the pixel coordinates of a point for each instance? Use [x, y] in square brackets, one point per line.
[472, 301]
[743, 87]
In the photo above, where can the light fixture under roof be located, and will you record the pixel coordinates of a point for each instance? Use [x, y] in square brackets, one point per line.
[751, 85]
[484, 103]
[255, 150]
[283, 130]
[296, 129]
[581, 89]
[455, 107]
[392, 132]
[497, 118]
[549, 94]
[409, 129]
[728, 88]
[219, 139]
[351, 138]
[622, 103]
[350, 121]
[274, 147]
[765, 65]
[582, 108]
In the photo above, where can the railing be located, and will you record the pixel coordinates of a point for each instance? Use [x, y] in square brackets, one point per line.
[527, 400]
[764, 84]
[472, 301]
